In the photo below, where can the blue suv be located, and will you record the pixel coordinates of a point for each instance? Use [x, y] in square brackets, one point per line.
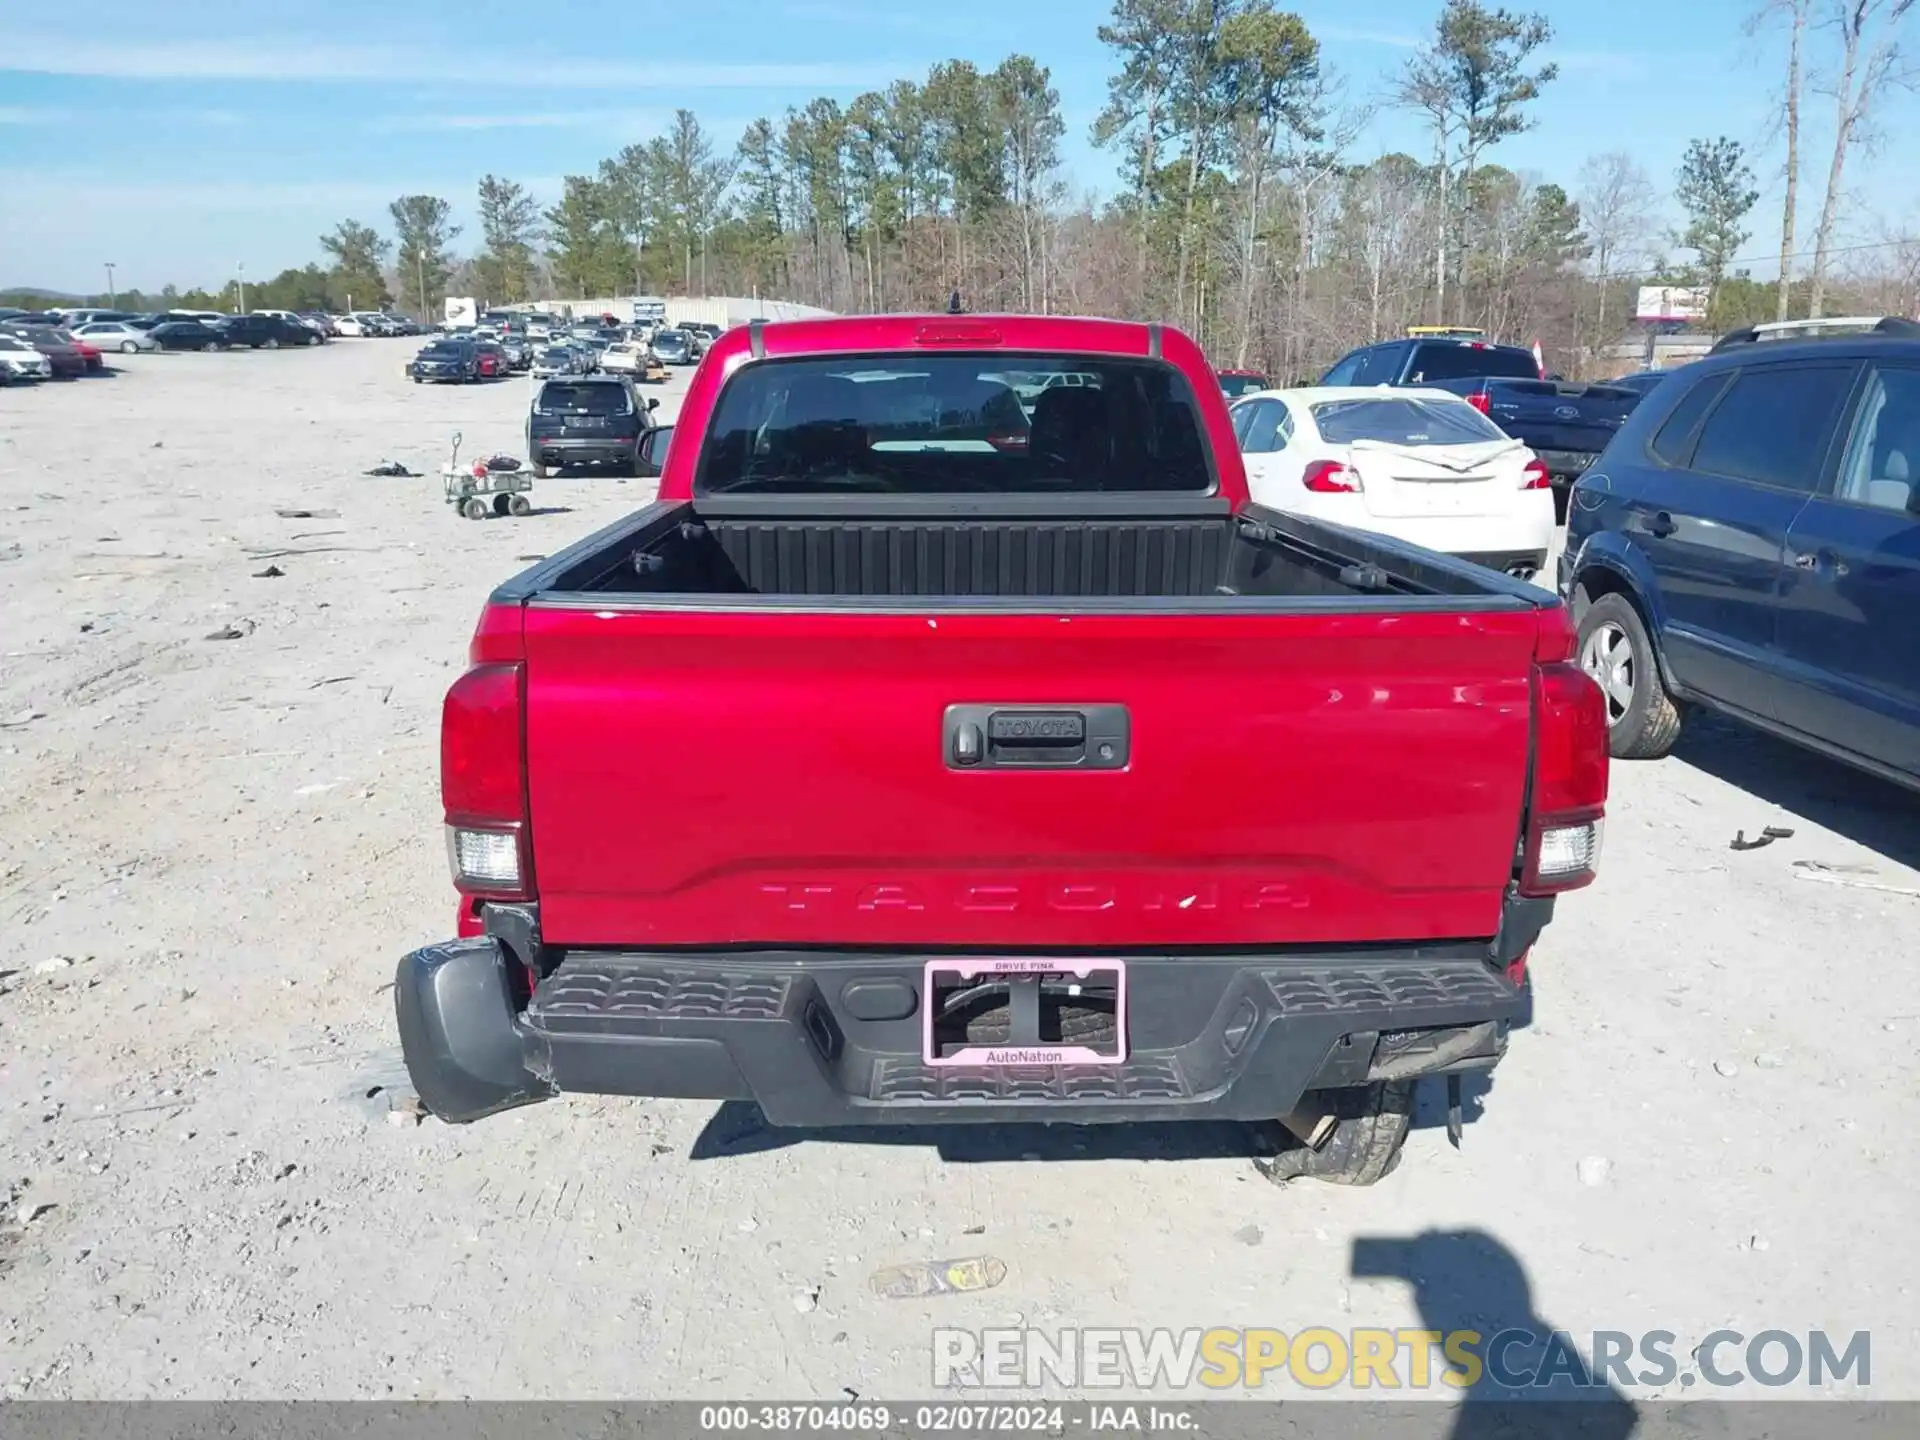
[1750, 543]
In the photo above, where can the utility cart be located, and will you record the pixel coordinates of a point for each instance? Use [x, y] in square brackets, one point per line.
[481, 488]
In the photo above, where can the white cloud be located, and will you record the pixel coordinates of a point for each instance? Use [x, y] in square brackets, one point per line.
[487, 120]
[294, 59]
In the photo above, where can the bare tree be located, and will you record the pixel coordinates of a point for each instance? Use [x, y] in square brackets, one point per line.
[1616, 207]
[1871, 58]
[1795, 13]
[1424, 88]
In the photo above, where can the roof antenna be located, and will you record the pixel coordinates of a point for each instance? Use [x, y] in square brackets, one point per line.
[954, 307]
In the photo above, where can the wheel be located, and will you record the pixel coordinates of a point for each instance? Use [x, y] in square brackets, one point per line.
[501, 504]
[272, 343]
[127, 347]
[418, 381]
[311, 341]
[518, 505]
[1642, 720]
[475, 508]
[1370, 1130]
[541, 472]
[215, 346]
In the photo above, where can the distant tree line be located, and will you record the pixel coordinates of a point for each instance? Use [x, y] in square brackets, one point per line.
[1243, 213]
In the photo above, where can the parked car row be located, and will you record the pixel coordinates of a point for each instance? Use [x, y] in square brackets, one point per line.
[466, 359]
[497, 347]
[73, 346]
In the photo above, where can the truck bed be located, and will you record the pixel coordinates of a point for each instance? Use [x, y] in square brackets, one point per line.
[948, 552]
[735, 712]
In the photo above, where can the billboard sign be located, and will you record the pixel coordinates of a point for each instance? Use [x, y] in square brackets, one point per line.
[1671, 302]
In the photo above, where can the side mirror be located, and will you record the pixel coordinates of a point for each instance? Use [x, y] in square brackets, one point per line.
[653, 404]
[653, 450]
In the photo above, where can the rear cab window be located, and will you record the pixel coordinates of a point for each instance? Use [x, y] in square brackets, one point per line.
[914, 423]
[1469, 359]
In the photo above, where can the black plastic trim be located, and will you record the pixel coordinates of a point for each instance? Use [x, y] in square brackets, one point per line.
[454, 1004]
[757, 339]
[1522, 919]
[1220, 1036]
[1142, 505]
[1153, 342]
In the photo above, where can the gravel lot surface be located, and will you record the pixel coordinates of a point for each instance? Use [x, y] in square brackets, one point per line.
[213, 850]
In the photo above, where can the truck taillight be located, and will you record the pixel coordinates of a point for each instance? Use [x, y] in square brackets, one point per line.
[1330, 477]
[1567, 807]
[1537, 476]
[1481, 401]
[483, 783]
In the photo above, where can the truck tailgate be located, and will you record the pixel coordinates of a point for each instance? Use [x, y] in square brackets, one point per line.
[1551, 415]
[766, 779]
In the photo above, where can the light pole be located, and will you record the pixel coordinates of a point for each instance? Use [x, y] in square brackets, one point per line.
[240, 273]
[113, 295]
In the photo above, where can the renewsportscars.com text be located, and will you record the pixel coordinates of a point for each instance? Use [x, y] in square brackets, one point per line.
[1321, 1358]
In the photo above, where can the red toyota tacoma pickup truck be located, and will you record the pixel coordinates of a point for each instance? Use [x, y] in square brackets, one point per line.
[953, 741]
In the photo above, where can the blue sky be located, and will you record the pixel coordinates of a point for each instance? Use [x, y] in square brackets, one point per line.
[180, 138]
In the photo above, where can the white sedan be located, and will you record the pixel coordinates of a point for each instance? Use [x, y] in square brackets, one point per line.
[626, 357]
[116, 335]
[1419, 465]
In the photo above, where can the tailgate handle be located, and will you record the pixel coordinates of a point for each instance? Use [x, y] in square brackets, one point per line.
[1036, 737]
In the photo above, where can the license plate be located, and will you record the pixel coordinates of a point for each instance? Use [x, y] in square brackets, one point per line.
[1064, 979]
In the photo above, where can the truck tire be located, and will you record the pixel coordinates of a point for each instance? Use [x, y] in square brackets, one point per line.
[1365, 1146]
[1643, 722]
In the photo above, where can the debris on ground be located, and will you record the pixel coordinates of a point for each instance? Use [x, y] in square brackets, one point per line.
[937, 1277]
[29, 1211]
[22, 717]
[392, 469]
[405, 1110]
[1850, 875]
[54, 965]
[1765, 837]
[291, 514]
[233, 630]
[272, 572]
[1249, 1235]
[808, 1300]
[1725, 1069]
[1594, 1169]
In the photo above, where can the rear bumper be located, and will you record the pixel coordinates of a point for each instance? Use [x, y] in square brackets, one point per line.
[619, 451]
[1230, 1038]
[1509, 543]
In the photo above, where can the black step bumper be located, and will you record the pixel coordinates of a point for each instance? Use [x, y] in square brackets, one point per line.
[1211, 1038]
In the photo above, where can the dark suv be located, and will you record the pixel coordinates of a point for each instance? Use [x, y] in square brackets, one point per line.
[590, 420]
[1750, 542]
[265, 332]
